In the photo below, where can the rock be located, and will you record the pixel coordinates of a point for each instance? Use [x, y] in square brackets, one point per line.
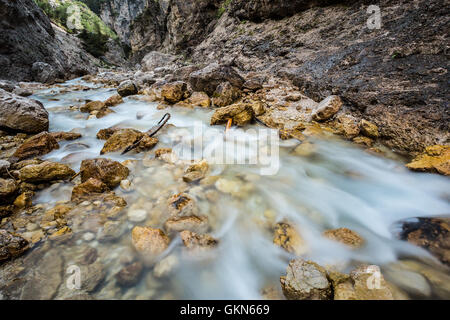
[4, 166]
[92, 276]
[22, 114]
[364, 141]
[137, 215]
[241, 114]
[92, 106]
[225, 94]
[46, 278]
[103, 113]
[8, 188]
[62, 234]
[156, 59]
[345, 236]
[129, 275]
[347, 126]
[208, 78]
[65, 136]
[127, 88]
[105, 134]
[112, 230]
[368, 129]
[43, 72]
[149, 242]
[259, 108]
[191, 223]
[287, 237]
[114, 100]
[434, 159]
[11, 246]
[366, 283]
[25, 200]
[45, 172]
[432, 234]
[164, 267]
[194, 241]
[305, 149]
[174, 92]
[88, 189]
[194, 176]
[327, 108]
[181, 205]
[254, 84]
[160, 152]
[123, 138]
[199, 99]
[305, 280]
[108, 171]
[37, 145]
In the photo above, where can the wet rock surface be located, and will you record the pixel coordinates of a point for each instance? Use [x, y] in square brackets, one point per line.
[37, 145]
[22, 114]
[108, 171]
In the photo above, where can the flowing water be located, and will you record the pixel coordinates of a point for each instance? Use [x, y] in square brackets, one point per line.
[339, 186]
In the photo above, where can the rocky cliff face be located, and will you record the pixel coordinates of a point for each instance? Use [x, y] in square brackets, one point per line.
[119, 15]
[28, 38]
[396, 76]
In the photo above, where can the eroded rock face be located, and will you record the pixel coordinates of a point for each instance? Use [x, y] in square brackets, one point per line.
[209, 78]
[434, 159]
[305, 280]
[45, 172]
[22, 114]
[240, 113]
[108, 171]
[11, 246]
[55, 53]
[37, 145]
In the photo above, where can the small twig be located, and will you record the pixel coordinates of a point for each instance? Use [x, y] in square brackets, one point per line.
[71, 179]
[9, 174]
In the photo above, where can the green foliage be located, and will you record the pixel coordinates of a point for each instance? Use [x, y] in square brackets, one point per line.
[223, 8]
[94, 33]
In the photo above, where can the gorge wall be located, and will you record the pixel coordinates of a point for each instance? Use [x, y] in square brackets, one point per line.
[28, 38]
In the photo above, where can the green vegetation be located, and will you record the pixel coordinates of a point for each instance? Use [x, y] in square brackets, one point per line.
[223, 8]
[76, 17]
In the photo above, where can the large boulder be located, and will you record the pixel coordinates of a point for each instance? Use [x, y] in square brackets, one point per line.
[22, 114]
[174, 92]
[108, 171]
[305, 280]
[208, 78]
[240, 113]
[45, 172]
[37, 145]
[127, 88]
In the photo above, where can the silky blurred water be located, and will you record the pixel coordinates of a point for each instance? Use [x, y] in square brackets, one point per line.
[339, 186]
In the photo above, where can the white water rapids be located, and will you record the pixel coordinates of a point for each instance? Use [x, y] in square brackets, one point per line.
[341, 186]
